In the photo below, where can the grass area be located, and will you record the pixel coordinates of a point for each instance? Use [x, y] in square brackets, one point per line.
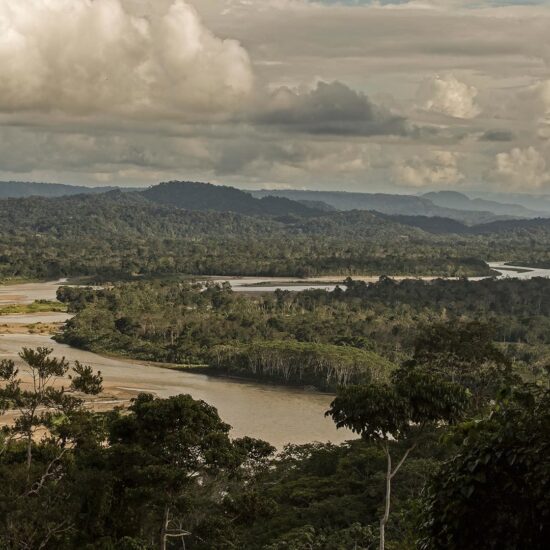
[39, 306]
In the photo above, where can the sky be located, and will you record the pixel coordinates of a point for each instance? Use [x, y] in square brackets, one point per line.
[389, 96]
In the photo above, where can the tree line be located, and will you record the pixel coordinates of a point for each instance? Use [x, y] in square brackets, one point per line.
[313, 337]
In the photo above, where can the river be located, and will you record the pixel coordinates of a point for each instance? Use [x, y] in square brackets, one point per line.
[277, 414]
[270, 284]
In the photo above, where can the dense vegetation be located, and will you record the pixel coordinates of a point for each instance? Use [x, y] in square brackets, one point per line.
[445, 383]
[311, 338]
[166, 470]
[116, 235]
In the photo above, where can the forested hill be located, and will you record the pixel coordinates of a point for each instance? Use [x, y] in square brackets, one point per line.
[128, 215]
[205, 196]
[20, 189]
[385, 203]
[441, 226]
[117, 215]
[117, 235]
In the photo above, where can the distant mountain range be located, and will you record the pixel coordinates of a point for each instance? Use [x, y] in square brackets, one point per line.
[459, 201]
[443, 211]
[443, 226]
[539, 203]
[21, 189]
[385, 203]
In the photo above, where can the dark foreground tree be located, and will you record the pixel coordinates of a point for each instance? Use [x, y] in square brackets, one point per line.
[173, 461]
[495, 493]
[49, 423]
[399, 412]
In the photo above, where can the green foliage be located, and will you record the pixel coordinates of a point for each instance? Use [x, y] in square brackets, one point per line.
[39, 306]
[464, 353]
[495, 492]
[125, 235]
[320, 338]
[393, 411]
[325, 365]
[398, 412]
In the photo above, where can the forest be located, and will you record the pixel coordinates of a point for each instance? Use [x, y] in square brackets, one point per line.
[459, 457]
[313, 337]
[443, 384]
[115, 235]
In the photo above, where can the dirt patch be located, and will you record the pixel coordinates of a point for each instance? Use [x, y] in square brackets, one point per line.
[38, 328]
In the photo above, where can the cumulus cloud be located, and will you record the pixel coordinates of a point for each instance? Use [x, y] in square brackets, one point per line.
[89, 56]
[440, 168]
[448, 96]
[521, 169]
[333, 109]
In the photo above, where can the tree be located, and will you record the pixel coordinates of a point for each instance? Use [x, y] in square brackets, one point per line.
[495, 492]
[39, 406]
[171, 456]
[50, 422]
[465, 353]
[395, 413]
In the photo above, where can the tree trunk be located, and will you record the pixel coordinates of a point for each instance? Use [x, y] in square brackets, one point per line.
[389, 477]
[29, 453]
[386, 515]
[164, 529]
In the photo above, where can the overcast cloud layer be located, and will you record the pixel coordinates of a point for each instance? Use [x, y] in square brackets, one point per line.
[359, 95]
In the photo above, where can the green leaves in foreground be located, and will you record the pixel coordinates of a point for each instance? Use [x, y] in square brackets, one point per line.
[495, 493]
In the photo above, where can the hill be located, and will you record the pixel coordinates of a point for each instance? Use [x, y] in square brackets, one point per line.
[115, 235]
[21, 189]
[459, 201]
[406, 205]
[513, 226]
[205, 196]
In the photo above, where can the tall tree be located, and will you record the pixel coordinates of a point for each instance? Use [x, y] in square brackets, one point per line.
[396, 414]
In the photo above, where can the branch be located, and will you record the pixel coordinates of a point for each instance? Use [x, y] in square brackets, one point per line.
[403, 458]
[50, 472]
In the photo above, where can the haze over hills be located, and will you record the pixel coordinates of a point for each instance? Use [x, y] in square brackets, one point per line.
[407, 205]
[447, 226]
[459, 201]
[444, 205]
[532, 202]
[19, 189]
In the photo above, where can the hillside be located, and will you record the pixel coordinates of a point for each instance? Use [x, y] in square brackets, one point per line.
[21, 189]
[459, 201]
[205, 196]
[406, 205]
[118, 235]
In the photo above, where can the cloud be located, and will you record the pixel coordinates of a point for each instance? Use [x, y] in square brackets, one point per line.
[497, 135]
[439, 168]
[332, 109]
[521, 169]
[83, 56]
[448, 96]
